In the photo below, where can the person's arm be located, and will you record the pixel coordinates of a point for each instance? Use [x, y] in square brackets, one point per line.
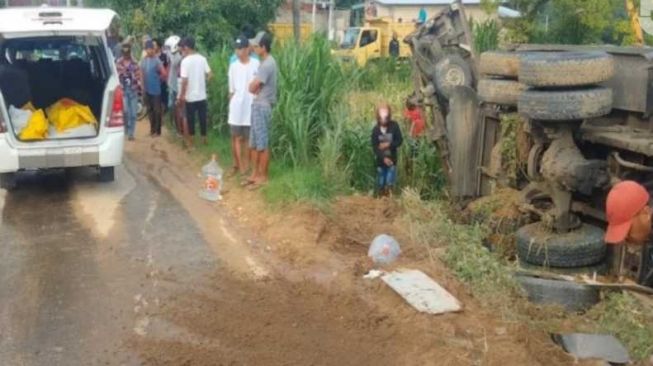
[376, 145]
[181, 98]
[232, 86]
[397, 138]
[261, 79]
[163, 73]
[207, 70]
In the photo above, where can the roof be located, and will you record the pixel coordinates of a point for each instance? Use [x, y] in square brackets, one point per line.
[424, 2]
[54, 19]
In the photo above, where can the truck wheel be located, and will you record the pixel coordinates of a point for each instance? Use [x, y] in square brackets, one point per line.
[572, 296]
[555, 69]
[106, 174]
[8, 181]
[579, 248]
[565, 105]
[497, 91]
[500, 63]
[450, 72]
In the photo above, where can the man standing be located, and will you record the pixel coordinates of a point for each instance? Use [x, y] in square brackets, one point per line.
[153, 72]
[394, 46]
[195, 72]
[241, 74]
[129, 74]
[172, 43]
[264, 87]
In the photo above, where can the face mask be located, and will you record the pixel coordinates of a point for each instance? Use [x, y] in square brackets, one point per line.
[383, 114]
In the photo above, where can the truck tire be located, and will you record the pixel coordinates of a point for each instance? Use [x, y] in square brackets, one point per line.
[450, 72]
[579, 248]
[572, 296]
[8, 181]
[556, 69]
[498, 91]
[500, 63]
[565, 105]
[106, 174]
[601, 268]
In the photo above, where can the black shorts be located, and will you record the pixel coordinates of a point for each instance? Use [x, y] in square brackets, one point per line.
[200, 109]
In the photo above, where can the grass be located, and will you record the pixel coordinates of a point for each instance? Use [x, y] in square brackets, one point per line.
[290, 184]
[625, 317]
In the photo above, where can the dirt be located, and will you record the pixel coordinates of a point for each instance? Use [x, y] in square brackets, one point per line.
[291, 293]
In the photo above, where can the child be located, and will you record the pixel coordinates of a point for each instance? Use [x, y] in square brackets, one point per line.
[416, 119]
[386, 140]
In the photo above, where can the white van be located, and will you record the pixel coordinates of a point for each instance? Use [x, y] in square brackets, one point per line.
[47, 54]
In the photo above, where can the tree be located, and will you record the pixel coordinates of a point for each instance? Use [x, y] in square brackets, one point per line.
[211, 22]
[567, 21]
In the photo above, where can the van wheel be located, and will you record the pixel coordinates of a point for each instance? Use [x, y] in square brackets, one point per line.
[106, 174]
[8, 181]
[574, 297]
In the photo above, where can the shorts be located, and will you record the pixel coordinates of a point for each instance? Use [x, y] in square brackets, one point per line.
[239, 131]
[259, 136]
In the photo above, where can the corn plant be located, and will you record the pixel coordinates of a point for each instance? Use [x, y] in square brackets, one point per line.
[486, 35]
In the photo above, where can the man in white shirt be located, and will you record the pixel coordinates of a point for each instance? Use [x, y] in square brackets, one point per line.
[241, 74]
[195, 72]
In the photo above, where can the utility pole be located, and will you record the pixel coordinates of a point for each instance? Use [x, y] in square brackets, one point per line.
[296, 26]
[313, 14]
[330, 21]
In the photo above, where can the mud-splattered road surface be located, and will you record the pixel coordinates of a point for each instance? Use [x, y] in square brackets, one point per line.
[142, 272]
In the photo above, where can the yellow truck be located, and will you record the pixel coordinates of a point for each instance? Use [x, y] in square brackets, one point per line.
[372, 41]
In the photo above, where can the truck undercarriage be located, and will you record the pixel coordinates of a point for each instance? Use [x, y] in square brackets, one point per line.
[585, 115]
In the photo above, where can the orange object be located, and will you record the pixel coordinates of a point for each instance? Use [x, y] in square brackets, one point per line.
[625, 200]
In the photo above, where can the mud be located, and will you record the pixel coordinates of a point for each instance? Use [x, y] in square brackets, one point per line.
[310, 306]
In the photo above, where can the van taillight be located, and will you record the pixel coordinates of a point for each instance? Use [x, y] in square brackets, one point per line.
[3, 125]
[117, 119]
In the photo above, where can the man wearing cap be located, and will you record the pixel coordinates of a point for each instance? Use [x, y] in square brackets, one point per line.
[241, 74]
[153, 73]
[629, 216]
[195, 71]
[129, 74]
[264, 87]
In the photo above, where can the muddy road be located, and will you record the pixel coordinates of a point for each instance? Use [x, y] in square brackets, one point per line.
[142, 272]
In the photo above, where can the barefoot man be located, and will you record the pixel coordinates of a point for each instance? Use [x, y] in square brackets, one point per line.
[264, 87]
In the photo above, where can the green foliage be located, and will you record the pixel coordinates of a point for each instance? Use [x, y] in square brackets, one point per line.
[486, 35]
[218, 89]
[290, 184]
[622, 315]
[569, 22]
[212, 22]
[430, 224]
[312, 84]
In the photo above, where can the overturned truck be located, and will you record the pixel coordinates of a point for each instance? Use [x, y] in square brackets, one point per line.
[585, 117]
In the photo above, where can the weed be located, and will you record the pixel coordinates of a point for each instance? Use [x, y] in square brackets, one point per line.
[290, 184]
[625, 317]
[430, 224]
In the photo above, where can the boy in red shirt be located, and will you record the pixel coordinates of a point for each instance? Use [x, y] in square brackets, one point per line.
[416, 119]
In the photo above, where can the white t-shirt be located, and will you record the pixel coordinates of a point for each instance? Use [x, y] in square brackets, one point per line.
[240, 105]
[195, 68]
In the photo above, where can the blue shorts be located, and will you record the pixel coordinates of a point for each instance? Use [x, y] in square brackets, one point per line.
[386, 176]
[259, 136]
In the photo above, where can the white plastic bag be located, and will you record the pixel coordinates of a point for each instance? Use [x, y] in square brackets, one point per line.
[19, 118]
[85, 130]
[384, 249]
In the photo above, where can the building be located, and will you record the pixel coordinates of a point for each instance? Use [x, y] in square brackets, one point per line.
[408, 10]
